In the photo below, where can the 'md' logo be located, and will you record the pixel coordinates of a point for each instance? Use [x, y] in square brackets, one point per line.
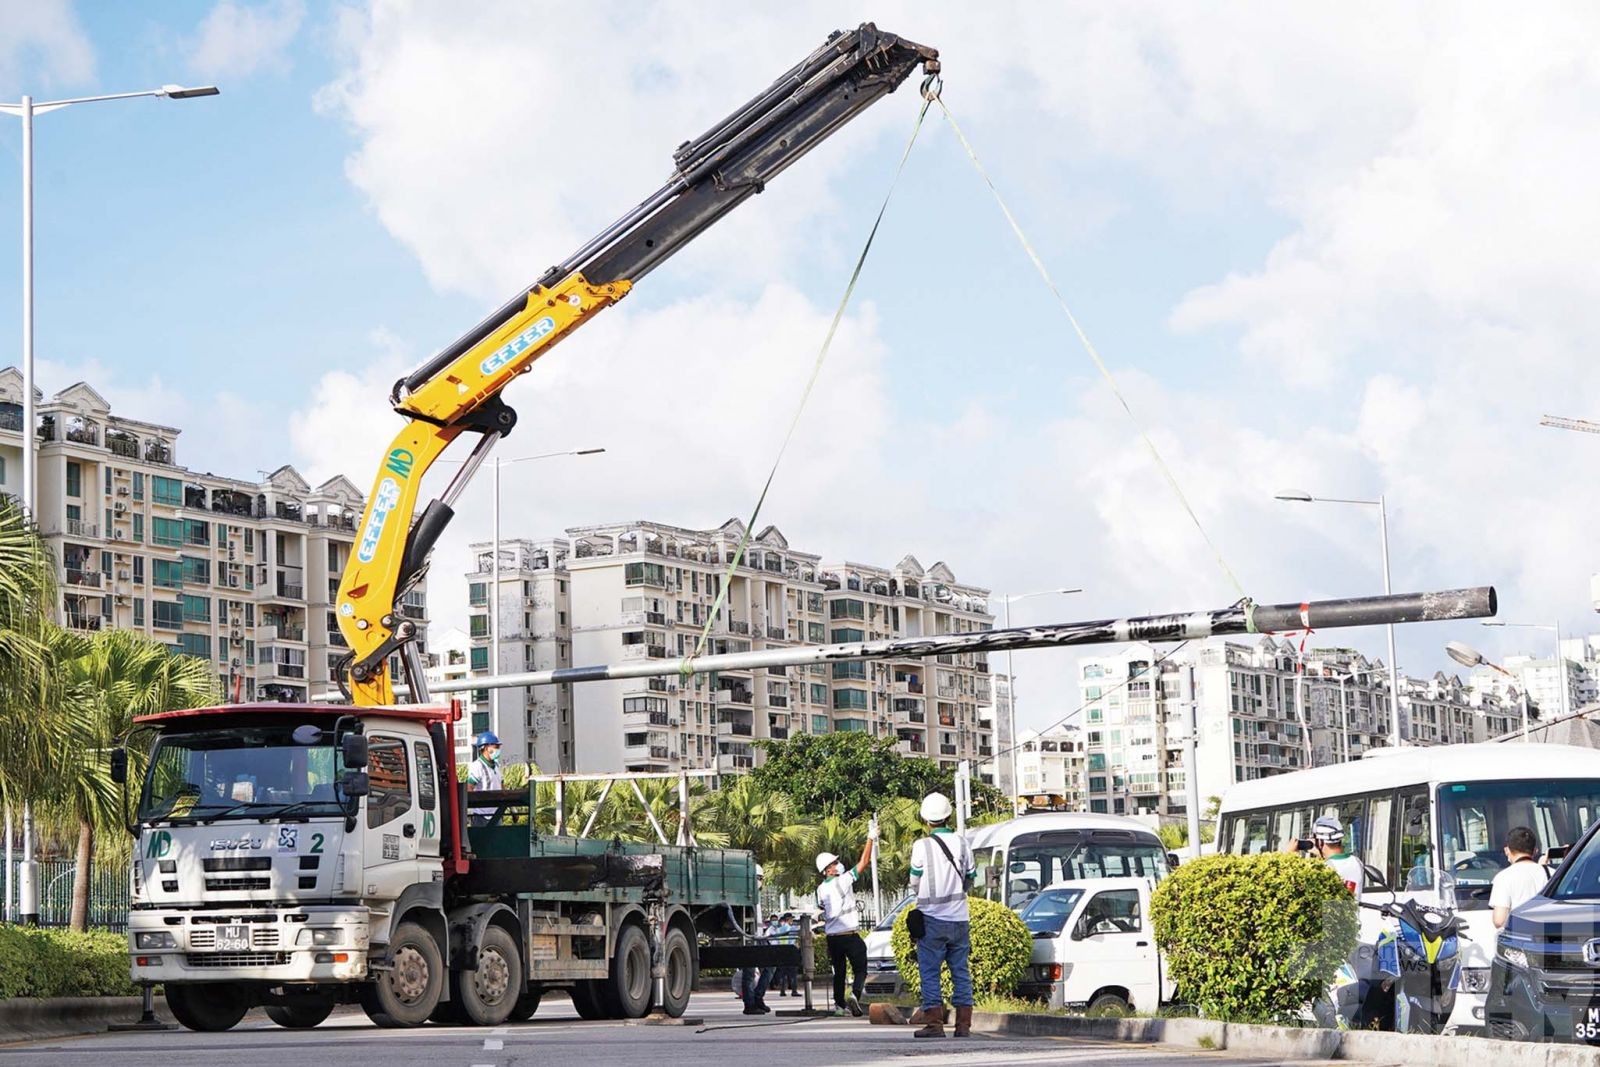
[399, 463]
[160, 845]
[518, 345]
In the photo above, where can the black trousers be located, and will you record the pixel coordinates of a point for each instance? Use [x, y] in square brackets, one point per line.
[849, 948]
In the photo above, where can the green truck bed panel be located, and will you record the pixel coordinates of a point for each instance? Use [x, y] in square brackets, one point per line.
[695, 876]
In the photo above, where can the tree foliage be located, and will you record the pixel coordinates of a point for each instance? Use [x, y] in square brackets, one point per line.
[851, 774]
[1253, 938]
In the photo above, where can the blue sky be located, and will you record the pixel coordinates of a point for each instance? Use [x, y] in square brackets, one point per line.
[1343, 251]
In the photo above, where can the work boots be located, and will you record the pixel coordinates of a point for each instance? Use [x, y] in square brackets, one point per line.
[930, 1019]
[964, 1021]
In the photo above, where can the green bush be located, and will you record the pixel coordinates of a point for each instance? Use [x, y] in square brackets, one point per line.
[1253, 938]
[61, 963]
[1001, 949]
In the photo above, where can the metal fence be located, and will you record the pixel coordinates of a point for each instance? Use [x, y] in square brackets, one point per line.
[108, 894]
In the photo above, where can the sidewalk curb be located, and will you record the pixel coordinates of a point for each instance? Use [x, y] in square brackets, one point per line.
[1296, 1043]
[37, 1018]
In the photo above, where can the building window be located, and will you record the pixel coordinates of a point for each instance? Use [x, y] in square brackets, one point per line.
[138, 611]
[850, 698]
[846, 609]
[167, 614]
[167, 491]
[819, 724]
[196, 608]
[480, 659]
[390, 776]
[195, 645]
[138, 485]
[167, 574]
[196, 570]
[138, 570]
[846, 634]
[166, 531]
[74, 479]
[477, 594]
[480, 625]
[196, 532]
[645, 574]
[138, 527]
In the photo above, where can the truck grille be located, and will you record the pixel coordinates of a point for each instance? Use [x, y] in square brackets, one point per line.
[222, 885]
[238, 959]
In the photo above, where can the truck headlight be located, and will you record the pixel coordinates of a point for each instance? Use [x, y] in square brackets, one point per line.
[1476, 979]
[154, 939]
[1514, 957]
[320, 936]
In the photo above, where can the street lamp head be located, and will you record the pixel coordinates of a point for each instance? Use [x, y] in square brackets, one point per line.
[1465, 655]
[1298, 496]
[178, 92]
[588, 452]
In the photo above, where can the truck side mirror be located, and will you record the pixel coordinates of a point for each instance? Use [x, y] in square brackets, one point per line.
[1080, 929]
[356, 784]
[1172, 860]
[119, 766]
[354, 751]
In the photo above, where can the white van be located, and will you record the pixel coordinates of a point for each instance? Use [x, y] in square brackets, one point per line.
[1094, 949]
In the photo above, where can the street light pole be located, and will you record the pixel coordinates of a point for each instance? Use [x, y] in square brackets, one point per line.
[26, 109]
[1302, 497]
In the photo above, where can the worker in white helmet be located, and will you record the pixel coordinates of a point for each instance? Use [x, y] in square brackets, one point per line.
[942, 869]
[836, 897]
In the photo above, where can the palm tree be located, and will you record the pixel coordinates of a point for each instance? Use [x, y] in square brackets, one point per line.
[27, 599]
[109, 680]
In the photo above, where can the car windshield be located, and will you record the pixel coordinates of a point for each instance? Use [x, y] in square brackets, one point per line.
[1038, 861]
[240, 772]
[1475, 816]
[887, 922]
[1047, 913]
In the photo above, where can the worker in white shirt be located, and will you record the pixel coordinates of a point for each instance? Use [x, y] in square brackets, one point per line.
[1522, 878]
[942, 869]
[483, 774]
[836, 896]
[1327, 843]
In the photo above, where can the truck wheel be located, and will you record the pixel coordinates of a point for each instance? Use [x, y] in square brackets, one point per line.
[406, 994]
[587, 1000]
[680, 973]
[629, 994]
[207, 1008]
[1108, 1006]
[488, 994]
[302, 1016]
[527, 1004]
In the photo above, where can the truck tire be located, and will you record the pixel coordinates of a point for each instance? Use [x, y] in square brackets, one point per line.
[301, 1016]
[488, 994]
[680, 973]
[207, 1008]
[629, 993]
[1108, 1006]
[587, 1000]
[407, 994]
[526, 1005]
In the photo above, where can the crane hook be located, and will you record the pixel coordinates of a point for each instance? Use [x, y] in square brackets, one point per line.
[932, 86]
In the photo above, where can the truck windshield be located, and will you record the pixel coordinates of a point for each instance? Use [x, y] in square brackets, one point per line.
[241, 772]
[1474, 818]
[1047, 913]
[1037, 861]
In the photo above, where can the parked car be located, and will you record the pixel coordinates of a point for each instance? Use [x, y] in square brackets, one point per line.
[883, 975]
[1093, 948]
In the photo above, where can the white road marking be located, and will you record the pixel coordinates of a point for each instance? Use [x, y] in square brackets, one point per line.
[493, 1044]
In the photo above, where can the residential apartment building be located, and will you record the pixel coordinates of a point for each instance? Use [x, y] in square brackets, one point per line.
[996, 716]
[1248, 711]
[1050, 769]
[240, 573]
[647, 590]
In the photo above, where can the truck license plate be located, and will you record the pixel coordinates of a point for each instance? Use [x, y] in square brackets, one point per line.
[233, 938]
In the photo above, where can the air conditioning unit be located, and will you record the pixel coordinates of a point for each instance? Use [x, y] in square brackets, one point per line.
[233, 583]
[120, 508]
[231, 555]
[123, 490]
[235, 662]
[124, 576]
[119, 535]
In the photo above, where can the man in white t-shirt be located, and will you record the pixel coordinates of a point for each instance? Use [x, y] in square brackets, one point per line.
[1327, 843]
[1523, 877]
[942, 869]
[836, 896]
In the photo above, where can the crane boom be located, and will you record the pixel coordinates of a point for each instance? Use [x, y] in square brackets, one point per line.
[1561, 422]
[459, 389]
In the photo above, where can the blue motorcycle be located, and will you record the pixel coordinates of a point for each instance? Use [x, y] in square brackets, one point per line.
[1419, 956]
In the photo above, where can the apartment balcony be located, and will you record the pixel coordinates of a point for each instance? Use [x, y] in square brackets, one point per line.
[87, 622]
[122, 445]
[268, 635]
[906, 688]
[775, 633]
[87, 579]
[737, 697]
[643, 720]
[79, 528]
[913, 716]
[739, 628]
[644, 652]
[646, 753]
[285, 670]
[732, 728]
[947, 720]
[949, 692]
[911, 747]
[657, 685]
[734, 763]
[641, 618]
[777, 700]
[947, 750]
[778, 733]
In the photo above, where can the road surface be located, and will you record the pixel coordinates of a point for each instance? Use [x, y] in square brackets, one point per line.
[557, 1037]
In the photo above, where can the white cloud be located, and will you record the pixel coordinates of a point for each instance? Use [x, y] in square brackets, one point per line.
[238, 39]
[41, 44]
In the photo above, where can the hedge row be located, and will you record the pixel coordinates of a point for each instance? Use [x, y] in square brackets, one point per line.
[61, 963]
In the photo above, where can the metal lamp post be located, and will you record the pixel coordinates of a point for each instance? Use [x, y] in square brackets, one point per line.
[1011, 680]
[26, 110]
[1470, 657]
[1560, 664]
[1301, 497]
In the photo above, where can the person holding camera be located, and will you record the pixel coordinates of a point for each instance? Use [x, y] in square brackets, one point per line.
[1327, 843]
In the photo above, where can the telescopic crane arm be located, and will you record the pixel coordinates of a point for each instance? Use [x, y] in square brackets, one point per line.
[459, 390]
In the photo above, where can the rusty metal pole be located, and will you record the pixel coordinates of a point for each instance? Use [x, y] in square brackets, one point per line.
[808, 956]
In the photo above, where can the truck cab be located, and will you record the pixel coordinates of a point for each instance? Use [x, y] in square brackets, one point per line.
[1094, 949]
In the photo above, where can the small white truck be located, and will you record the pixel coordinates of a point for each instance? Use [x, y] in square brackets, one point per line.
[1094, 949]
